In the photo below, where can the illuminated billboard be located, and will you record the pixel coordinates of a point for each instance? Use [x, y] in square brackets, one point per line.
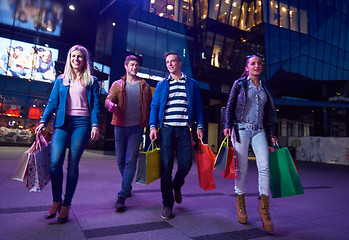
[26, 60]
[44, 16]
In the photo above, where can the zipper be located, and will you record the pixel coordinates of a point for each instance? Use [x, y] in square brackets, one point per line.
[243, 109]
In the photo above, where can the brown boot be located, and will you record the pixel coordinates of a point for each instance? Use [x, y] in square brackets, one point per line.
[264, 212]
[241, 208]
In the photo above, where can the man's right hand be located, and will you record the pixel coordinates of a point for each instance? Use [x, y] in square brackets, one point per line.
[153, 134]
[111, 107]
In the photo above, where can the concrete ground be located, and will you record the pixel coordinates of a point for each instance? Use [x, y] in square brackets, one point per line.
[322, 212]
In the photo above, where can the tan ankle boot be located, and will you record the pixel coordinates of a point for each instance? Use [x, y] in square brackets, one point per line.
[264, 213]
[241, 208]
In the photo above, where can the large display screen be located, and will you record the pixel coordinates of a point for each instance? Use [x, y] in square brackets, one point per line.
[26, 60]
[44, 16]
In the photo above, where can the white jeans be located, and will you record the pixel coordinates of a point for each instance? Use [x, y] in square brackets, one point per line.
[258, 140]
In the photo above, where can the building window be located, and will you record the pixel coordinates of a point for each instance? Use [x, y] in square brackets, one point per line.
[274, 13]
[301, 132]
[294, 23]
[164, 8]
[284, 16]
[290, 129]
[214, 8]
[217, 55]
[187, 12]
[235, 14]
[303, 21]
[288, 17]
[224, 11]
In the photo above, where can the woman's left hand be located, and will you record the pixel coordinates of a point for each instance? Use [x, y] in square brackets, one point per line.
[94, 133]
[274, 140]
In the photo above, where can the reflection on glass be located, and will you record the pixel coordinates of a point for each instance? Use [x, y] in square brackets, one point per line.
[19, 117]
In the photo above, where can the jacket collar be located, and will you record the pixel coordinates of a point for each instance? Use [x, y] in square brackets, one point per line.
[123, 78]
[183, 77]
[243, 82]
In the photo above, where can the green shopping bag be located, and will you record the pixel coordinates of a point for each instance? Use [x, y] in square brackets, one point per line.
[284, 178]
[148, 165]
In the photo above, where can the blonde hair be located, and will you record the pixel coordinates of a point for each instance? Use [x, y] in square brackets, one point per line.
[69, 75]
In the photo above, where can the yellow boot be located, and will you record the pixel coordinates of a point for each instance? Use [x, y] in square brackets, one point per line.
[263, 211]
[241, 208]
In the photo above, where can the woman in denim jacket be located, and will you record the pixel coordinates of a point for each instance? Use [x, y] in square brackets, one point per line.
[75, 100]
[250, 111]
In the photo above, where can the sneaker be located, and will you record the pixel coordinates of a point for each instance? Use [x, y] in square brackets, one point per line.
[178, 196]
[167, 213]
[120, 204]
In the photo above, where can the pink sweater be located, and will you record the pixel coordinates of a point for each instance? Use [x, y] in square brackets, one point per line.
[77, 102]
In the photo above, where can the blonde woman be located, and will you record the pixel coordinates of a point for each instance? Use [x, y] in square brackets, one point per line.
[75, 100]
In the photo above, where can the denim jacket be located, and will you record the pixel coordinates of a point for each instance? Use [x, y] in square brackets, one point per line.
[158, 104]
[58, 98]
[236, 107]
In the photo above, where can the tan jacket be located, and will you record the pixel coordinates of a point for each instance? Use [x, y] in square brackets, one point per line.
[117, 94]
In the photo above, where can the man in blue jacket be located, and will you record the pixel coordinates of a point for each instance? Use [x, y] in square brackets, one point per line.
[175, 107]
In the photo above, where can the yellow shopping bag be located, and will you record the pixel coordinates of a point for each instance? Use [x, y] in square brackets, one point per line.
[149, 165]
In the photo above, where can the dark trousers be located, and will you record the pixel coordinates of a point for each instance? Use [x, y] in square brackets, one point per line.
[174, 140]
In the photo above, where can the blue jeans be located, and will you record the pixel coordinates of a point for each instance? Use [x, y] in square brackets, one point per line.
[258, 140]
[174, 139]
[127, 142]
[75, 133]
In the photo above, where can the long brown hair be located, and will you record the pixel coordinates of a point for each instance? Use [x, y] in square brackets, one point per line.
[68, 74]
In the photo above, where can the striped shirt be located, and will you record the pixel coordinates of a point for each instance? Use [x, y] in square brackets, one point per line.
[176, 110]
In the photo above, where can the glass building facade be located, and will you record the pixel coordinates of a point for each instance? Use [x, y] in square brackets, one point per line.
[303, 45]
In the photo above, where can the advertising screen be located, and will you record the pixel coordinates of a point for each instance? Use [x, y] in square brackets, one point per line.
[38, 15]
[26, 60]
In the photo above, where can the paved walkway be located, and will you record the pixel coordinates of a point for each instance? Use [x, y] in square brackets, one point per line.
[321, 213]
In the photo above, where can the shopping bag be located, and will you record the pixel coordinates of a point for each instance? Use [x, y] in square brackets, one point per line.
[225, 159]
[39, 165]
[276, 146]
[204, 162]
[21, 171]
[148, 165]
[284, 178]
